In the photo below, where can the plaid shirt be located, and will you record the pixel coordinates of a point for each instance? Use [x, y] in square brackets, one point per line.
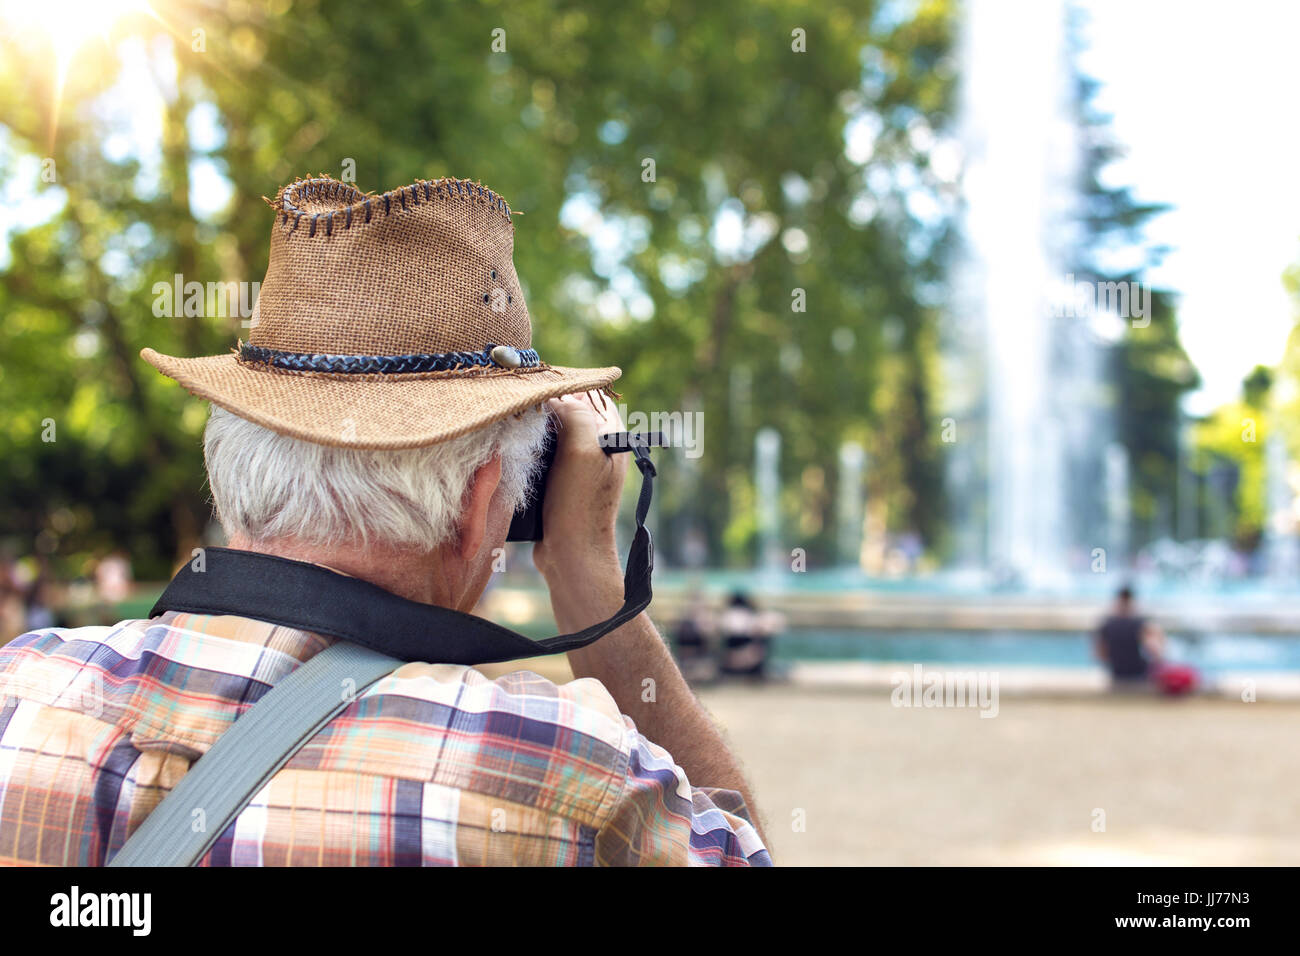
[433, 765]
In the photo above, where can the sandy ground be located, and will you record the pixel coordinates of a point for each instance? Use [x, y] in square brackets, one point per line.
[1195, 782]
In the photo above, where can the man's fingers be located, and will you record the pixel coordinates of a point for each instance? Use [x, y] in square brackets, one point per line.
[584, 417]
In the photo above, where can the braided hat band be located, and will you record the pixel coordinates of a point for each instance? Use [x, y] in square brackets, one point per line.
[491, 356]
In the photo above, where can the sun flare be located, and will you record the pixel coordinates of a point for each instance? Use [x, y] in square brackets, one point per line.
[68, 25]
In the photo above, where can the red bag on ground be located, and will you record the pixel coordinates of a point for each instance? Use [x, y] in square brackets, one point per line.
[1175, 679]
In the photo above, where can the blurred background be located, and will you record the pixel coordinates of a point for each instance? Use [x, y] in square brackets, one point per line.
[957, 316]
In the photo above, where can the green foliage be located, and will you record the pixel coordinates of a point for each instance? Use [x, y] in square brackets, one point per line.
[1230, 445]
[1149, 368]
[735, 121]
[1152, 373]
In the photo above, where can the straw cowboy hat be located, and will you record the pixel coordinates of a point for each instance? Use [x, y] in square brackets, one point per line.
[385, 321]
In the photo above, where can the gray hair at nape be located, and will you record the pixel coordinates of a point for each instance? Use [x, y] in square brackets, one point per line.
[270, 487]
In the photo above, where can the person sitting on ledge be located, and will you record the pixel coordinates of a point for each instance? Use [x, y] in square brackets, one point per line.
[1133, 649]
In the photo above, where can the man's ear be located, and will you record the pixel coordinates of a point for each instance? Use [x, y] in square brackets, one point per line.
[478, 500]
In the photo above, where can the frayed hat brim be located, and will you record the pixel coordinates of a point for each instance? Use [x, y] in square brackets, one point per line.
[374, 411]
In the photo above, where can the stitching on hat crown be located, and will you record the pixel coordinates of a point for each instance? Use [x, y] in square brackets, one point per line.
[437, 280]
[322, 197]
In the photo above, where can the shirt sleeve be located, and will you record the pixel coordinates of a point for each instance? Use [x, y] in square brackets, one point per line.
[659, 819]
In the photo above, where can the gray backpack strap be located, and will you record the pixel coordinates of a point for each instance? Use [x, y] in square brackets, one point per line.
[246, 756]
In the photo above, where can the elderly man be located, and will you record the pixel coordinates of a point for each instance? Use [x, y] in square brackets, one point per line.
[366, 452]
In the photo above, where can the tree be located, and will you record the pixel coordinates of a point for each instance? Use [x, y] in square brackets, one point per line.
[1150, 370]
[684, 277]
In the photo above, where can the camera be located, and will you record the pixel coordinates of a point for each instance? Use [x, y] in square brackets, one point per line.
[527, 522]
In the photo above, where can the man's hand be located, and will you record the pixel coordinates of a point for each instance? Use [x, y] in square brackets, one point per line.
[578, 556]
[582, 496]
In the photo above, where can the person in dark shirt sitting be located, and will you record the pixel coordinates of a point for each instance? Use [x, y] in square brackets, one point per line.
[1131, 646]
[746, 638]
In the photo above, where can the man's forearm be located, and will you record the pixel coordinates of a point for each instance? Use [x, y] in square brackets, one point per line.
[638, 670]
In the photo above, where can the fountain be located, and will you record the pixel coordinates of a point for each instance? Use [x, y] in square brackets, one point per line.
[849, 504]
[767, 488]
[1280, 553]
[1187, 490]
[1117, 508]
[1026, 376]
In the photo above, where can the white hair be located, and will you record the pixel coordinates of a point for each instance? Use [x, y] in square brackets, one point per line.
[269, 487]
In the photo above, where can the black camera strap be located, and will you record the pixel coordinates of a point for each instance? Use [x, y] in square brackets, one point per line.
[311, 598]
